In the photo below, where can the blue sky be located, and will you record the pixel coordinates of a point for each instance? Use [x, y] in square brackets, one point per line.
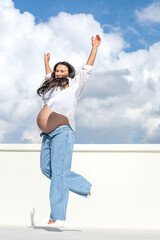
[110, 14]
[121, 102]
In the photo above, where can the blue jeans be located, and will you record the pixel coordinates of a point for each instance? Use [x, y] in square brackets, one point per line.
[55, 163]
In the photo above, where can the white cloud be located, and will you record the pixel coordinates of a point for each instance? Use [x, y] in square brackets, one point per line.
[149, 14]
[119, 102]
[111, 28]
[129, 93]
[133, 30]
[6, 3]
[31, 135]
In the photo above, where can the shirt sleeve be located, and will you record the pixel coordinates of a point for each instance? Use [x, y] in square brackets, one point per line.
[47, 76]
[44, 101]
[81, 79]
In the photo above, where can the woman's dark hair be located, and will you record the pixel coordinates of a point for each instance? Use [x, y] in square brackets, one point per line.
[52, 81]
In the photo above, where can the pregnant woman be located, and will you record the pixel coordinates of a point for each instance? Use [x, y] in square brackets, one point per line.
[60, 92]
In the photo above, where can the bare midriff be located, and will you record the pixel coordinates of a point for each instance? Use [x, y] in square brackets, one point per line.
[48, 120]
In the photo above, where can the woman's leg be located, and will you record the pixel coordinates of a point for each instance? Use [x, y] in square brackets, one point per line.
[45, 157]
[62, 144]
[79, 185]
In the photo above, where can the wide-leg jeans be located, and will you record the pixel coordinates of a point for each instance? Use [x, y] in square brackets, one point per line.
[55, 163]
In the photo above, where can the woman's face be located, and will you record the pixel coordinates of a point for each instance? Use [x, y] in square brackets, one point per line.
[61, 71]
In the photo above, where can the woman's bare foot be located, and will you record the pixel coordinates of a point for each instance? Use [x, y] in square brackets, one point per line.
[89, 193]
[49, 222]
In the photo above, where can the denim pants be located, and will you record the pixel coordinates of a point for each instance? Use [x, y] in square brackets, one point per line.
[55, 163]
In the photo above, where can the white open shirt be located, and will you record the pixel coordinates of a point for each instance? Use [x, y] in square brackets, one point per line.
[64, 101]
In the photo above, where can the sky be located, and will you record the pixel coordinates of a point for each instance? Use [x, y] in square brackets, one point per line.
[121, 101]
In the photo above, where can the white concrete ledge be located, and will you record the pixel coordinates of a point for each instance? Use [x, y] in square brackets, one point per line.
[86, 148]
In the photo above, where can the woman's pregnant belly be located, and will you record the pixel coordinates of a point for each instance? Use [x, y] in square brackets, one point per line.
[48, 120]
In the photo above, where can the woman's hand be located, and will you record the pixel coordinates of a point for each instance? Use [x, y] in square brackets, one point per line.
[96, 42]
[47, 57]
[46, 61]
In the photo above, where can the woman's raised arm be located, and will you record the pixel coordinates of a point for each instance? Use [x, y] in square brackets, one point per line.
[95, 44]
[46, 62]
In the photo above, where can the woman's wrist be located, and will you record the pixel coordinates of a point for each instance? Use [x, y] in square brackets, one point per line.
[46, 61]
[94, 47]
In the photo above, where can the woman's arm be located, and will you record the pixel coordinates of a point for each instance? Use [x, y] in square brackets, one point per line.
[95, 44]
[46, 61]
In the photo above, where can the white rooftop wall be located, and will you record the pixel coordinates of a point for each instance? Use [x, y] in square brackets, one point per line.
[125, 186]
